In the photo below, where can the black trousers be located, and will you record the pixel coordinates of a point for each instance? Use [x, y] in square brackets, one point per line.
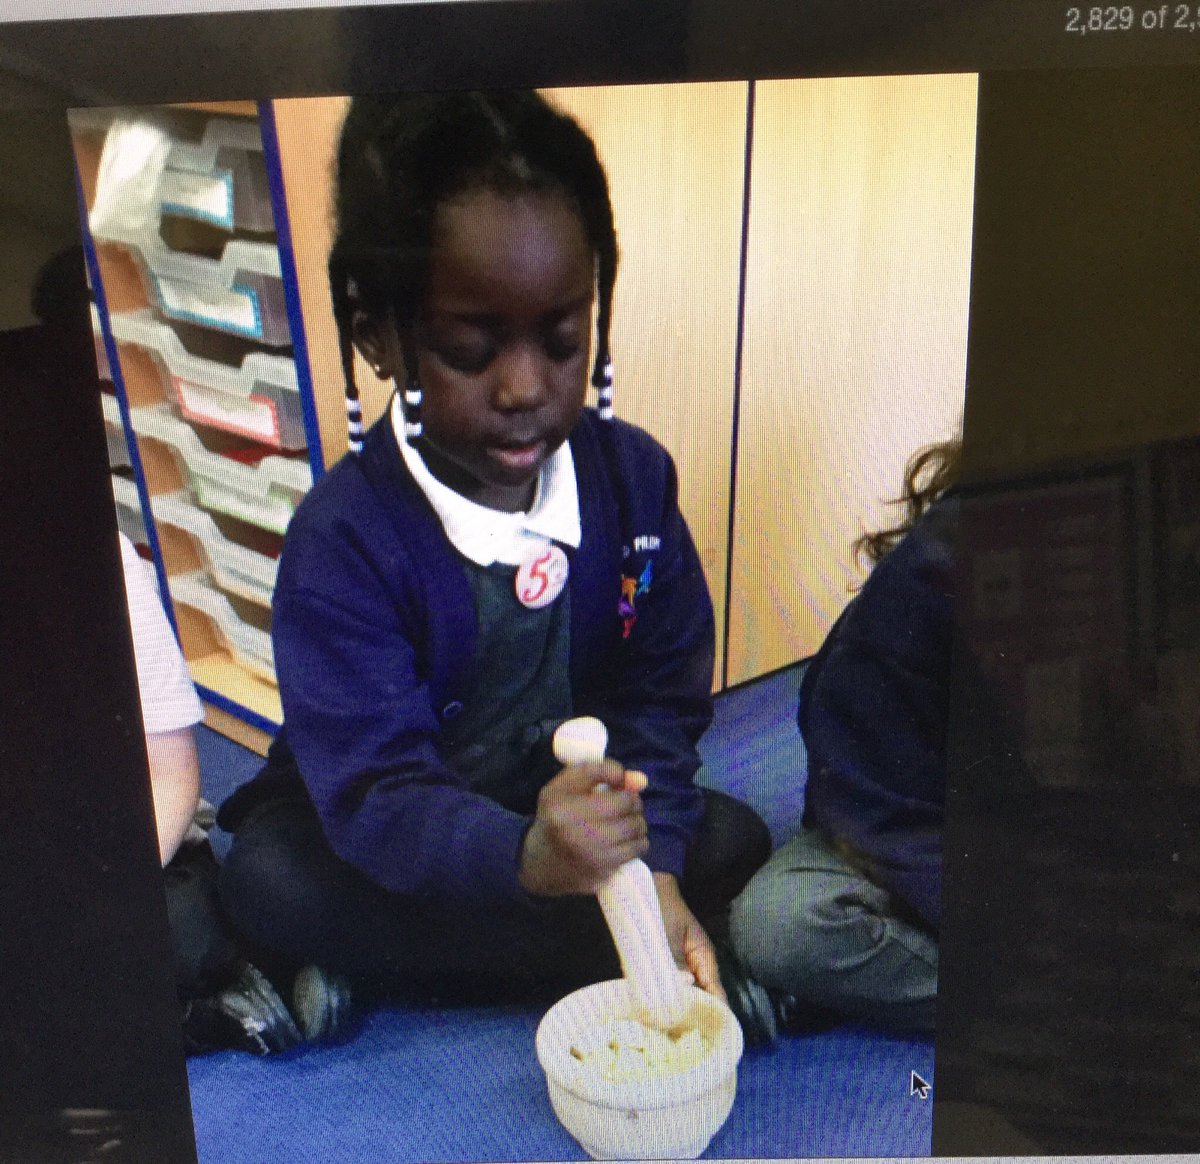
[206, 952]
[287, 892]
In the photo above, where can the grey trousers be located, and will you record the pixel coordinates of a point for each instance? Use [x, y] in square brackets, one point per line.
[812, 925]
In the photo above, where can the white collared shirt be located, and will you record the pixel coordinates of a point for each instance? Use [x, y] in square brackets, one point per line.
[484, 535]
[169, 700]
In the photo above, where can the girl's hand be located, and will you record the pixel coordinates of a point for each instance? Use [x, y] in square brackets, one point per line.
[578, 839]
[691, 946]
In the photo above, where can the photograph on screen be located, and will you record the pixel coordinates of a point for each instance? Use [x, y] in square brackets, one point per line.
[669, 416]
[629, 403]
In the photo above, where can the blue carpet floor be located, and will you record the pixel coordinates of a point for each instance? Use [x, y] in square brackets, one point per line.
[463, 1084]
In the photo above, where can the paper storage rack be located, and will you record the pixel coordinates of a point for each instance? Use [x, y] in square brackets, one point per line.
[137, 173]
[241, 293]
[227, 645]
[249, 642]
[220, 593]
[208, 160]
[207, 390]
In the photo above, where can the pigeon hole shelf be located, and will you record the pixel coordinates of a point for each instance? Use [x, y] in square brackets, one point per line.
[205, 420]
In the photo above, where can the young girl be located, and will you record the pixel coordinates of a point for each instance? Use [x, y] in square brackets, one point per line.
[492, 559]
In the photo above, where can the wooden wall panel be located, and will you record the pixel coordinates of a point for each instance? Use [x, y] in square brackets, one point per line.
[855, 347]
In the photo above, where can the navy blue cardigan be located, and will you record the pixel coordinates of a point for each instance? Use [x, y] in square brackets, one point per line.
[374, 633]
[873, 712]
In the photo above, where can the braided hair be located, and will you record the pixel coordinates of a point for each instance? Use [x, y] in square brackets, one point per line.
[402, 156]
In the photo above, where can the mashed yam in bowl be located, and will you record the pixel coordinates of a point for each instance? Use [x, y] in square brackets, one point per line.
[626, 1049]
[625, 1091]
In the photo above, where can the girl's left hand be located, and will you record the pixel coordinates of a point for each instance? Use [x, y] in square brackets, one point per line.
[689, 943]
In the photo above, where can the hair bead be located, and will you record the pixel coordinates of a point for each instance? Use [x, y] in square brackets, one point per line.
[413, 427]
[604, 386]
[354, 427]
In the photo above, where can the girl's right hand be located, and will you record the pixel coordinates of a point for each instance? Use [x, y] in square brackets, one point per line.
[578, 839]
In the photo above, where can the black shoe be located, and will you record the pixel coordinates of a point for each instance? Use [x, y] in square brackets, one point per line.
[321, 1003]
[766, 1014]
[748, 999]
[794, 1016]
[248, 1016]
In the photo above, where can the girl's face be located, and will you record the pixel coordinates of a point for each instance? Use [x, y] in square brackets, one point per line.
[503, 341]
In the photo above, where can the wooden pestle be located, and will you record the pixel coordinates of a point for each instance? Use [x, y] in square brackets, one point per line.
[629, 900]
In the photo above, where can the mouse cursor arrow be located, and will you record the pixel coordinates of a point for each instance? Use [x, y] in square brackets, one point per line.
[918, 1086]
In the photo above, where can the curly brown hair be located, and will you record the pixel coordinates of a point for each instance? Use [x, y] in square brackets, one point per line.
[929, 473]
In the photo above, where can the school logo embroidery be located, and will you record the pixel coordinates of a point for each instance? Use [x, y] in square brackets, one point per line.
[631, 590]
[642, 544]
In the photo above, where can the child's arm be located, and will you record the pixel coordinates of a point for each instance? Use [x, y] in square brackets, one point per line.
[364, 735]
[654, 692]
[692, 947]
[174, 784]
[353, 616]
[169, 707]
[364, 732]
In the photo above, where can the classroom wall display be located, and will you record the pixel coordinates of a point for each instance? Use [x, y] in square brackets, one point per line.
[790, 321]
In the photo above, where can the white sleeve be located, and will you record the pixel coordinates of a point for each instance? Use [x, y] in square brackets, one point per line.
[169, 700]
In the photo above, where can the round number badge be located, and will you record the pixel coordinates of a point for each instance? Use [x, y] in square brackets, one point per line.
[541, 577]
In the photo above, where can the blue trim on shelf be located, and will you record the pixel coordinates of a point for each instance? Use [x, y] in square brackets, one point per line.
[291, 286]
[118, 380]
[237, 710]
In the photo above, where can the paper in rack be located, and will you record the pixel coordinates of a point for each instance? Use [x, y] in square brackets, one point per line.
[260, 398]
